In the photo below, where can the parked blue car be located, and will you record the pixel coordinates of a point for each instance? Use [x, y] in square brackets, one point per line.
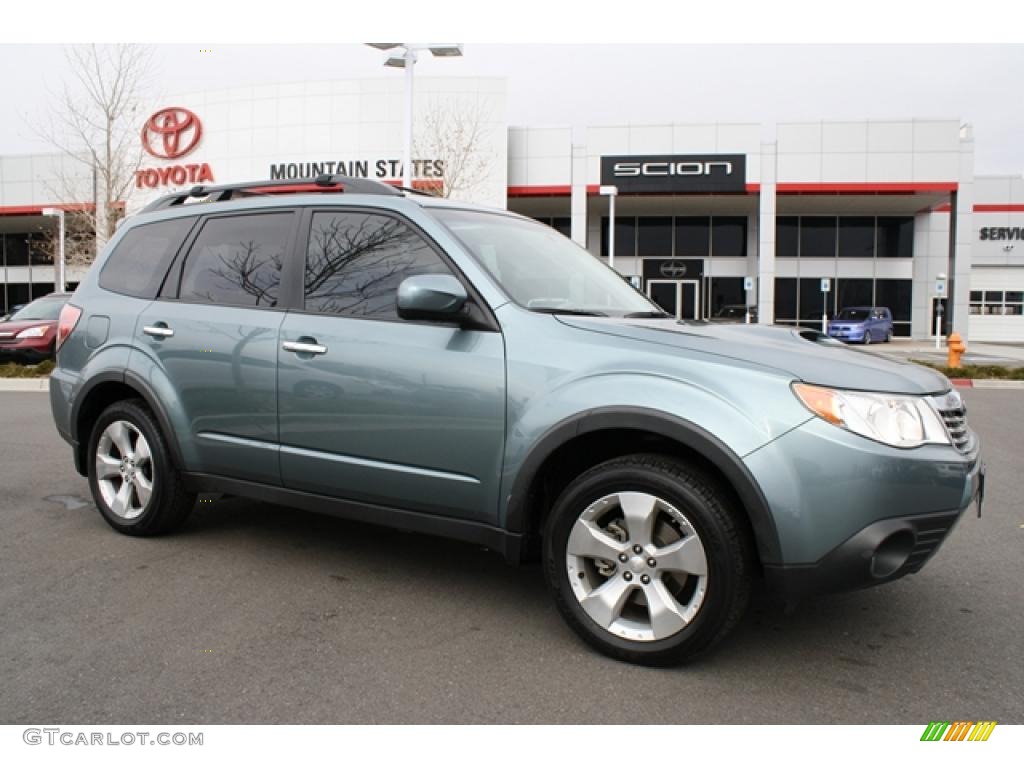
[863, 324]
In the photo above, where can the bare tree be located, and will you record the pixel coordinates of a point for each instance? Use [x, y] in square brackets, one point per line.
[94, 122]
[455, 133]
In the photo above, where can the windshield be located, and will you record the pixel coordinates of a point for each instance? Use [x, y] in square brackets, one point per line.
[543, 270]
[40, 309]
[853, 314]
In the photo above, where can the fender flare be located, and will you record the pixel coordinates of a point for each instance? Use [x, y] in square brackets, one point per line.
[694, 437]
[146, 392]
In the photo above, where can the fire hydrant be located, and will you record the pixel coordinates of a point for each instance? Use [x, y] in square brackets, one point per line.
[956, 348]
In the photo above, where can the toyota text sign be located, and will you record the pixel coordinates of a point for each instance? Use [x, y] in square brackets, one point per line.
[675, 173]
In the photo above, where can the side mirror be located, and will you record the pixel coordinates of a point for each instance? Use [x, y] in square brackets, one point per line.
[431, 297]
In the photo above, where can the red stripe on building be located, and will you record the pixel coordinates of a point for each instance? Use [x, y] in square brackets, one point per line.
[864, 188]
[37, 210]
[998, 208]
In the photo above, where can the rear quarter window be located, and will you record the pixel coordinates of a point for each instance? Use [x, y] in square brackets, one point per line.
[139, 262]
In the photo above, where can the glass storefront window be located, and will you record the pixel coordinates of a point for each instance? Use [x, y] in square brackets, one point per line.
[625, 236]
[817, 236]
[895, 237]
[857, 237]
[787, 236]
[693, 235]
[654, 236]
[728, 236]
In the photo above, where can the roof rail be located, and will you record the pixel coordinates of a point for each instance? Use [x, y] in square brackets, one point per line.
[323, 183]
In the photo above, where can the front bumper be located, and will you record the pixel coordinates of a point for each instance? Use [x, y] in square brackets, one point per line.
[852, 513]
[847, 335]
[27, 350]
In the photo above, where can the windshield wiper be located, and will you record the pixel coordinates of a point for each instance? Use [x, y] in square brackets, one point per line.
[567, 311]
[652, 313]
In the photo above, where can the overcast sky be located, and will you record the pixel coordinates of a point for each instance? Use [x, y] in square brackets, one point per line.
[610, 84]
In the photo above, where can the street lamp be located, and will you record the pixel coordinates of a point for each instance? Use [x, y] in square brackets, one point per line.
[611, 192]
[58, 264]
[407, 61]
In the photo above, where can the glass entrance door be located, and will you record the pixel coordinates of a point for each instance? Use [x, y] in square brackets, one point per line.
[680, 298]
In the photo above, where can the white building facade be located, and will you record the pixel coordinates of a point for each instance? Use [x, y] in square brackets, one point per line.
[885, 213]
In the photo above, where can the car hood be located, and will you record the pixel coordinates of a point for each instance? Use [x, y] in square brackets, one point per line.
[846, 322]
[16, 327]
[805, 355]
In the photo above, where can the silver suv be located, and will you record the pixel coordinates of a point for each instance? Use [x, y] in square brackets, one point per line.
[403, 360]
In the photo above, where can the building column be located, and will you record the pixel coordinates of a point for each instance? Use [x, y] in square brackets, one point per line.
[961, 237]
[766, 237]
[578, 195]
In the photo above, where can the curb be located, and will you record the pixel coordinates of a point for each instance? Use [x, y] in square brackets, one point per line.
[25, 385]
[988, 383]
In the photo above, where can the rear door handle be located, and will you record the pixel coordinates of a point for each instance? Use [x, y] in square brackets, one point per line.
[158, 331]
[304, 347]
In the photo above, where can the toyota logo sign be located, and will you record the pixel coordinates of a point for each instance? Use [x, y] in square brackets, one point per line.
[172, 132]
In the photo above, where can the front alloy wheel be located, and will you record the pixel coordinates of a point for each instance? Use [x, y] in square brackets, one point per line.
[637, 566]
[648, 559]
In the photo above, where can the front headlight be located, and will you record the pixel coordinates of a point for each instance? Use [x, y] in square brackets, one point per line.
[903, 421]
[32, 333]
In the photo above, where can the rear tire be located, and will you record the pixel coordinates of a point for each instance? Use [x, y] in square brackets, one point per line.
[132, 478]
[667, 590]
[888, 337]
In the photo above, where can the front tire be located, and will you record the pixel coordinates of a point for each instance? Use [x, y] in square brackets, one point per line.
[132, 478]
[647, 559]
[867, 338]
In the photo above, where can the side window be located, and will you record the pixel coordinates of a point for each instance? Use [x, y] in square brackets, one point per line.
[355, 262]
[237, 260]
[139, 262]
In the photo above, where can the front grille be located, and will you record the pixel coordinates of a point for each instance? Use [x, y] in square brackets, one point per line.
[956, 423]
[951, 408]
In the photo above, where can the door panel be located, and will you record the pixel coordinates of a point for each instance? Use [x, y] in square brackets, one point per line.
[664, 294]
[395, 413]
[222, 365]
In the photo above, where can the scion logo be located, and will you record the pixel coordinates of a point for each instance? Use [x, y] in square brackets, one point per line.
[673, 269]
[691, 168]
[171, 133]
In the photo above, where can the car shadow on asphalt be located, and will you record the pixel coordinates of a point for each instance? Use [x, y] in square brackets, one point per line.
[335, 548]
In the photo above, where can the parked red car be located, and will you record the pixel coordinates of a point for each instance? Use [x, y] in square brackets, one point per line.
[28, 335]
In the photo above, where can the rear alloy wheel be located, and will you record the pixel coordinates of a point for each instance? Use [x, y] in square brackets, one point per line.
[133, 481]
[888, 337]
[647, 560]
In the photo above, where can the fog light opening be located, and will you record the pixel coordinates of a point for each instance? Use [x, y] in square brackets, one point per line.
[891, 554]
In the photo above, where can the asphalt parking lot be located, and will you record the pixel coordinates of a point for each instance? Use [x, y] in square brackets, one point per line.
[256, 613]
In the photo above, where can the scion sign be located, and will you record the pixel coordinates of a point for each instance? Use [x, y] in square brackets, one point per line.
[675, 173]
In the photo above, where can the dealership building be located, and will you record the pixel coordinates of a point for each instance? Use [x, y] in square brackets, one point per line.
[886, 213]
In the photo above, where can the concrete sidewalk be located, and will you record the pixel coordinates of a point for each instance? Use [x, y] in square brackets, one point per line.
[41, 384]
[1009, 355]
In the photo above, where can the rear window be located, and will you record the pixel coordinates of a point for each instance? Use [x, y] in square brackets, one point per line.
[139, 262]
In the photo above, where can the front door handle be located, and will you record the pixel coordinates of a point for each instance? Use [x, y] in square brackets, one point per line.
[160, 331]
[304, 347]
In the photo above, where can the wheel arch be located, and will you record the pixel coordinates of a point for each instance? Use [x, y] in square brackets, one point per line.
[616, 431]
[111, 387]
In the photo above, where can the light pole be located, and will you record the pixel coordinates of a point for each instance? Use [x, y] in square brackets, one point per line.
[58, 264]
[407, 60]
[611, 192]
